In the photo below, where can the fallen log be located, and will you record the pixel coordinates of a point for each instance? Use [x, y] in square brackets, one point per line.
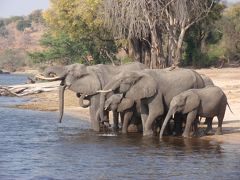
[28, 89]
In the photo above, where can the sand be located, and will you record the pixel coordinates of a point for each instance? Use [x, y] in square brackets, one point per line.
[228, 79]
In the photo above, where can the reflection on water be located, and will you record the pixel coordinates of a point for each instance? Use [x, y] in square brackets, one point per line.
[33, 145]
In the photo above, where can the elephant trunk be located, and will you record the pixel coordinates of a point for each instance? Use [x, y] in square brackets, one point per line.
[168, 116]
[108, 89]
[101, 105]
[81, 103]
[61, 101]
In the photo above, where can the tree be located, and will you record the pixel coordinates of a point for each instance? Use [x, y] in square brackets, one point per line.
[36, 16]
[201, 36]
[12, 59]
[138, 21]
[150, 20]
[22, 24]
[230, 28]
[3, 29]
[78, 19]
[178, 17]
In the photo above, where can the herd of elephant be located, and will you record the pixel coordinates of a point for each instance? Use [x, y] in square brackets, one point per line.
[146, 99]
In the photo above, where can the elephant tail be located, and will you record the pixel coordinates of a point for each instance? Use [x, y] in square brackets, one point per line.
[229, 108]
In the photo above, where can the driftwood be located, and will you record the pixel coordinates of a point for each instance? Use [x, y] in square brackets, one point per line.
[28, 89]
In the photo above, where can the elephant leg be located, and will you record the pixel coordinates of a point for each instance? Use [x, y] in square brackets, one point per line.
[220, 121]
[209, 126]
[190, 118]
[115, 120]
[178, 123]
[122, 118]
[127, 118]
[93, 109]
[148, 125]
[155, 110]
[144, 114]
[195, 126]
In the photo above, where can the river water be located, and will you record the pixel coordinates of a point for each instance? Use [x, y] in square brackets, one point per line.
[33, 145]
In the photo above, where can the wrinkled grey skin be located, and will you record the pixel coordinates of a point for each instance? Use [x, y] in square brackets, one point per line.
[207, 80]
[154, 88]
[206, 102]
[128, 107]
[86, 81]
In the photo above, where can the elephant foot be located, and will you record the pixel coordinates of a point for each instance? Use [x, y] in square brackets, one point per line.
[219, 131]
[209, 132]
[124, 132]
[185, 135]
[132, 128]
[148, 133]
[115, 128]
[105, 127]
[96, 127]
[195, 134]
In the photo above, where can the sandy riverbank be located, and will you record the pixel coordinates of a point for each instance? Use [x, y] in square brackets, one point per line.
[228, 79]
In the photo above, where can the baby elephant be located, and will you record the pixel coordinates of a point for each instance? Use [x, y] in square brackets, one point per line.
[207, 102]
[127, 107]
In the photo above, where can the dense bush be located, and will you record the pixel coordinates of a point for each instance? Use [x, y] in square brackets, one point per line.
[3, 30]
[12, 59]
[22, 24]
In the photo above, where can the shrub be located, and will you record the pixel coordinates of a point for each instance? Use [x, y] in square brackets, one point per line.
[22, 24]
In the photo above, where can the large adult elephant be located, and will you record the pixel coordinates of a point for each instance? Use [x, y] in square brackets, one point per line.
[155, 89]
[86, 81]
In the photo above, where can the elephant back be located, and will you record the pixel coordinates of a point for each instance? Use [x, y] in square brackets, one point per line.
[171, 83]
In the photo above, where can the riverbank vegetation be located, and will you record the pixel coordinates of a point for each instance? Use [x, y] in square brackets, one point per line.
[160, 34]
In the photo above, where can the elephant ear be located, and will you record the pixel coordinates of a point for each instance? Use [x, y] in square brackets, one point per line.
[192, 102]
[125, 104]
[144, 87]
[77, 70]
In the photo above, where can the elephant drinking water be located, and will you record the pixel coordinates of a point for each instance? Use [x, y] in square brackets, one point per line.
[155, 89]
[86, 81]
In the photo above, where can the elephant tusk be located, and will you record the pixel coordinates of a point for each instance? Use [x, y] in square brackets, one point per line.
[39, 76]
[104, 91]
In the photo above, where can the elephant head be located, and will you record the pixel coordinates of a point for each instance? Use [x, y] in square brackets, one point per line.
[134, 85]
[116, 102]
[76, 77]
[184, 102]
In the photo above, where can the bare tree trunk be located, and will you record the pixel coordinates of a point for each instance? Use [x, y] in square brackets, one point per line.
[135, 49]
[170, 51]
[157, 56]
[178, 52]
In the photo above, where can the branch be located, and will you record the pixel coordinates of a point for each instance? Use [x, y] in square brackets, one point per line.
[110, 57]
[28, 89]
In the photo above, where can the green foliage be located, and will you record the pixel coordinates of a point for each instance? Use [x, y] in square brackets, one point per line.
[63, 49]
[230, 27]
[200, 37]
[36, 16]
[75, 34]
[22, 24]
